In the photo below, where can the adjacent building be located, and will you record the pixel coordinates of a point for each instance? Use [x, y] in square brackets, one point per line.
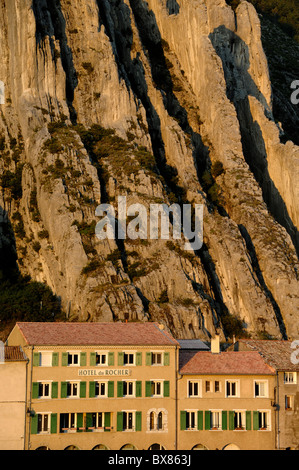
[13, 380]
[279, 354]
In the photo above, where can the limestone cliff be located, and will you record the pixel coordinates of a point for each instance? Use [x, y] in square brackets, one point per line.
[161, 101]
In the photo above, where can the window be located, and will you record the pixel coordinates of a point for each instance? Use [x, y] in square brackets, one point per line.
[72, 389]
[208, 386]
[156, 388]
[157, 358]
[231, 388]
[128, 420]
[68, 422]
[191, 420]
[73, 359]
[101, 359]
[194, 388]
[289, 400]
[290, 378]
[100, 389]
[97, 420]
[129, 359]
[239, 420]
[43, 423]
[263, 420]
[128, 389]
[46, 359]
[44, 390]
[217, 386]
[261, 389]
[215, 420]
[156, 421]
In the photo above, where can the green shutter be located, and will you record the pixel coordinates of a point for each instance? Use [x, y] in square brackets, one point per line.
[248, 420]
[148, 358]
[120, 359]
[63, 391]
[148, 388]
[119, 421]
[88, 421]
[107, 422]
[183, 420]
[255, 420]
[231, 421]
[92, 359]
[166, 388]
[166, 359]
[138, 359]
[35, 387]
[138, 420]
[34, 424]
[110, 389]
[120, 389]
[82, 389]
[224, 420]
[54, 392]
[111, 359]
[83, 359]
[55, 359]
[79, 422]
[92, 389]
[53, 423]
[207, 420]
[36, 359]
[138, 389]
[64, 359]
[200, 420]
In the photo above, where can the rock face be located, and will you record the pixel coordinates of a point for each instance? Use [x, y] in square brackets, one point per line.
[184, 85]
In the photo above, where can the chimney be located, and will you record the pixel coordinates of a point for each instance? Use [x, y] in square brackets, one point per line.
[215, 344]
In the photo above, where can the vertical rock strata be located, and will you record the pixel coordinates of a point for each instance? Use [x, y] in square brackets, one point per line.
[161, 102]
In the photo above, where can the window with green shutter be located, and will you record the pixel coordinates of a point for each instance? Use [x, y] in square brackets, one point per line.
[166, 359]
[138, 418]
[207, 419]
[53, 428]
[92, 389]
[54, 391]
[34, 424]
[200, 420]
[166, 388]
[138, 389]
[107, 422]
[63, 390]
[92, 359]
[80, 422]
[110, 389]
[55, 359]
[64, 359]
[83, 359]
[183, 416]
[120, 389]
[88, 422]
[148, 358]
[224, 420]
[138, 359]
[111, 359]
[255, 420]
[35, 390]
[82, 389]
[148, 388]
[119, 424]
[120, 357]
[36, 359]
[248, 420]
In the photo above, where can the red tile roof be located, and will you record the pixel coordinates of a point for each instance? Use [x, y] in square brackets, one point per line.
[225, 363]
[56, 333]
[14, 353]
[277, 353]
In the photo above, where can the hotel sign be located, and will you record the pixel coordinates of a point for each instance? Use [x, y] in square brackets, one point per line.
[104, 372]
